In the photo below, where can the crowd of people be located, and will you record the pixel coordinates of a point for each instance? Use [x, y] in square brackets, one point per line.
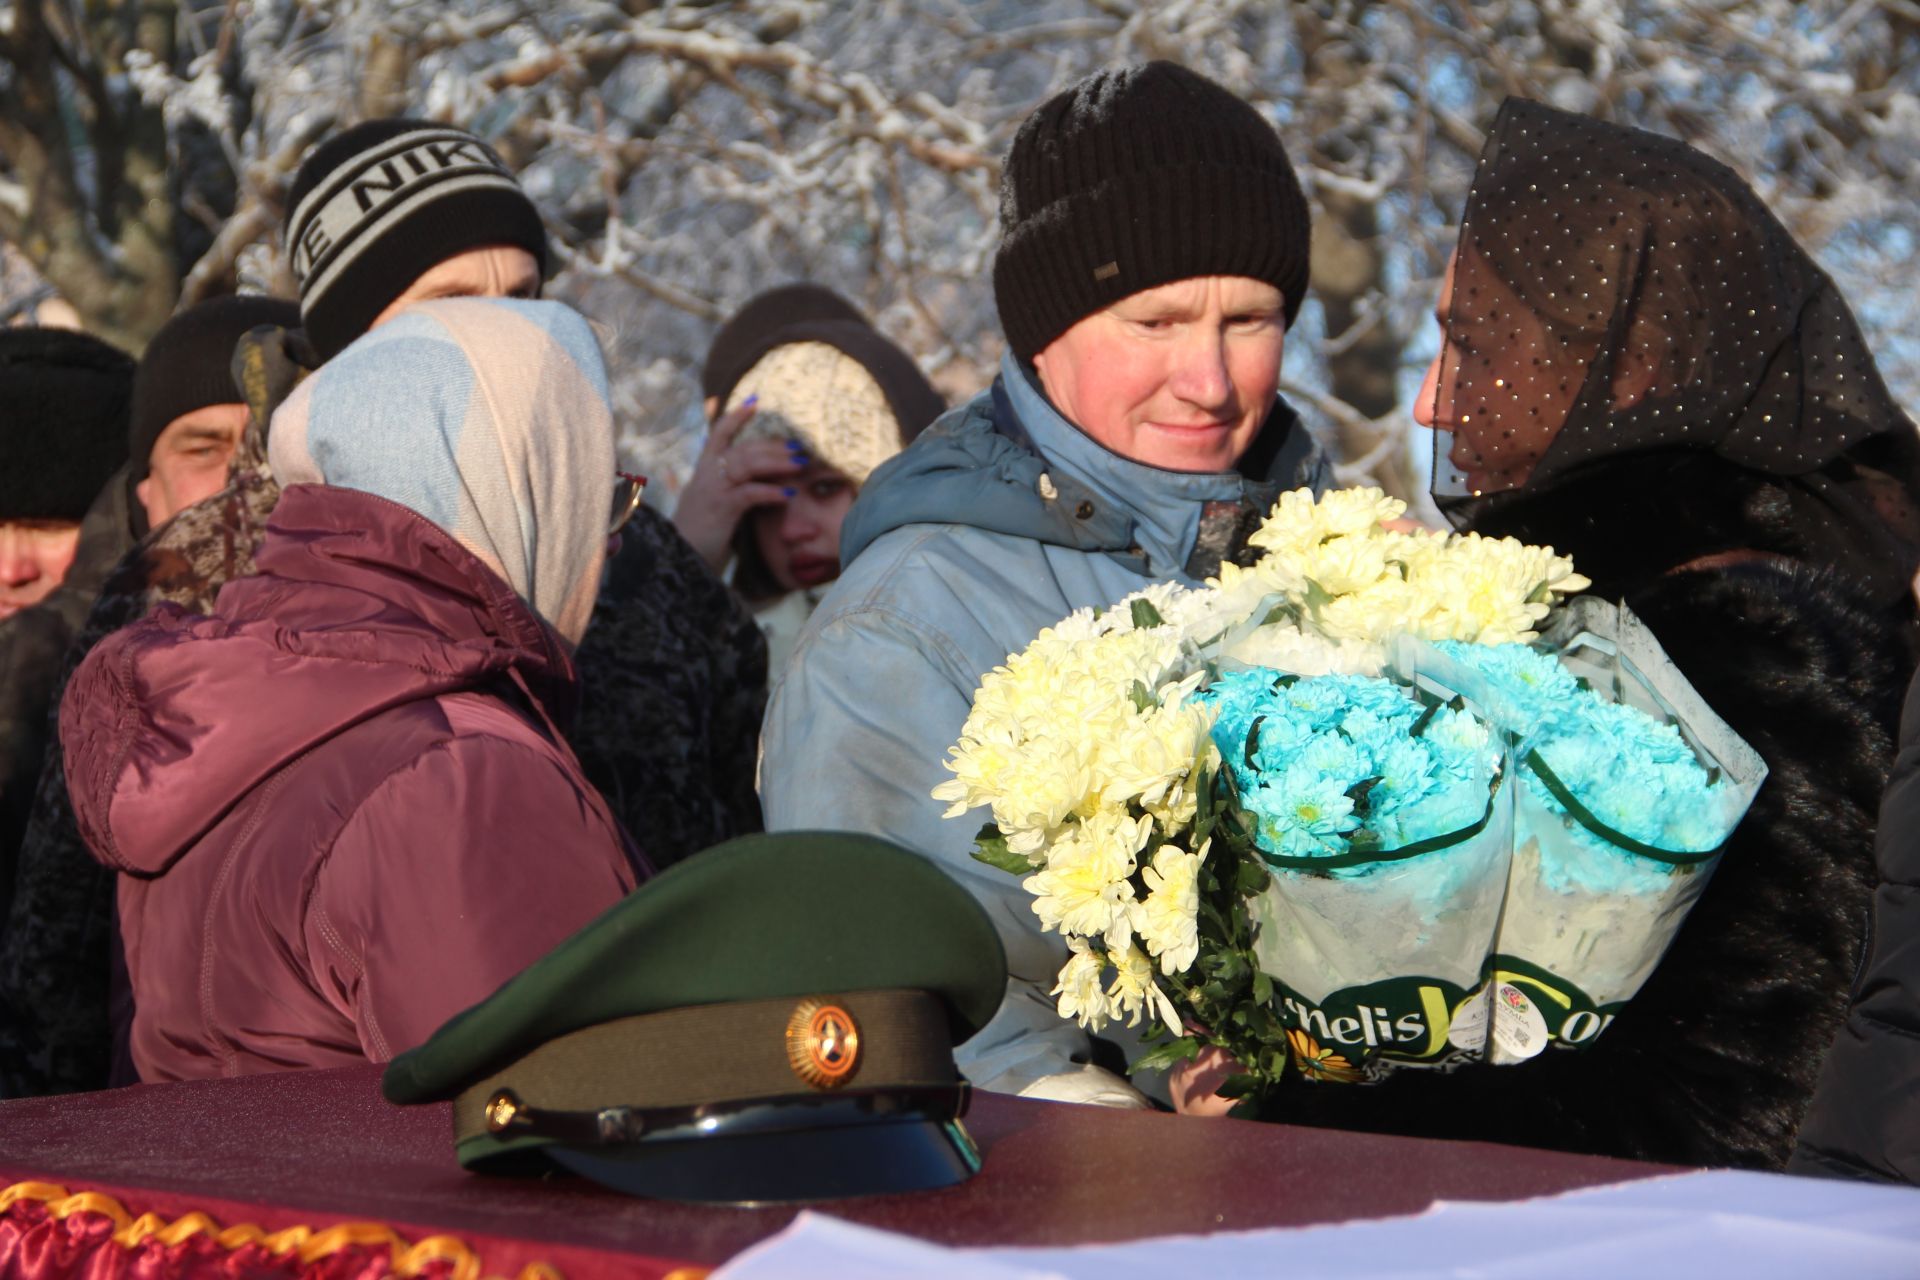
[343, 673]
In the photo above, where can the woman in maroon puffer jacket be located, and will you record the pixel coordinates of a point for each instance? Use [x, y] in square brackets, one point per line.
[341, 806]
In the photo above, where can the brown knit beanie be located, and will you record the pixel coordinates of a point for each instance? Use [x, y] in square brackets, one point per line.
[1136, 178]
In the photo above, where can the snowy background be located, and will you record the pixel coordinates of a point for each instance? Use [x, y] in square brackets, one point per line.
[688, 155]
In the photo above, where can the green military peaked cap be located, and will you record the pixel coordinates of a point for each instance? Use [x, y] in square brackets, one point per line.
[772, 1019]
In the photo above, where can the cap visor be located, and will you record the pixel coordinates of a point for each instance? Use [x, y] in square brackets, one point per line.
[875, 1158]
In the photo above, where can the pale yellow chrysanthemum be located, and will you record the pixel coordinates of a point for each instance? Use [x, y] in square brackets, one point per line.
[1085, 888]
[1360, 584]
[1133, 991]
[1094, 721]
[1167, 920]
[1282, 646]
[1079, 989]
[1299, 522]
[1059, 733]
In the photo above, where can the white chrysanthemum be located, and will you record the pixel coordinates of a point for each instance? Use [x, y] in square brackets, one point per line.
[1152, 753]
[1282, 646]
[1167, 920]
[1132, 977]
[1134, 992]
[1298, 522]
[1079, 989]
[1059, 732]
[1085, 889]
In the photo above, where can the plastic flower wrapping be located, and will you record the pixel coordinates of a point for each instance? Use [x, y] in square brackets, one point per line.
[1381, 800]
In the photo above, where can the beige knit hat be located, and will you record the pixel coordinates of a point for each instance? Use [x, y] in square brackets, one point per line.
[821, 396]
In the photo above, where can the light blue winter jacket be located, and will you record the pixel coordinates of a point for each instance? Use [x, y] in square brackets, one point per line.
[1001, 519]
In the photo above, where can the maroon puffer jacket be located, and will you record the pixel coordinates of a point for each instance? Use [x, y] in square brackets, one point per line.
[339, 805]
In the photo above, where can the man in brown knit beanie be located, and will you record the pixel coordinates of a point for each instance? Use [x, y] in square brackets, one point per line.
[1153, 254]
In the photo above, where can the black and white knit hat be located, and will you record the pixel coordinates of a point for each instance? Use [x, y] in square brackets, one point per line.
[1135, 178]
[374, 208]
[63, 421]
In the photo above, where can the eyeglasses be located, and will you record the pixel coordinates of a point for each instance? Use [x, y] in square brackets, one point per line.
[627, 489]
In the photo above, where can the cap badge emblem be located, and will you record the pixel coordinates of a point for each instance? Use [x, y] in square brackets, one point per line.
[504, 1110]
[823, 1044]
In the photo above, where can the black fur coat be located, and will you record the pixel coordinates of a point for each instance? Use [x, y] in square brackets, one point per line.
[1713, 1062]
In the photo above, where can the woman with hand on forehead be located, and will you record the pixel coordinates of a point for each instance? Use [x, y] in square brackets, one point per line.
[806, 399]
[1642, 368]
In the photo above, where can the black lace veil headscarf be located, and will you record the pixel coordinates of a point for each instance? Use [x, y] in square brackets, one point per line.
[1642, 367]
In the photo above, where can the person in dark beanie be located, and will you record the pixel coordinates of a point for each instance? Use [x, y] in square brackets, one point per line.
[1154, 248]
[188, 415]
[815, 398]
[63, 431]
[673, 669]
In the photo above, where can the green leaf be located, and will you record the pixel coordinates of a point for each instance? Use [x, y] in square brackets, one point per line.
[1238, 1086]
[1250, 878]
[1160, 1057]
[1359, 793]
[990, 847]
[1318, 598]
[1142, 697]
[1145, 615]
[1262, 987]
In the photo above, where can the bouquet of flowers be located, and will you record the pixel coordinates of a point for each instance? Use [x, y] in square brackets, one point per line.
[1628, 787]
[1385, 827]
[1253, 826]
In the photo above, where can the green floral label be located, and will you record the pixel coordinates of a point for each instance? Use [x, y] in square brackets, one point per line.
[1353, 1033]
[1365, 1032]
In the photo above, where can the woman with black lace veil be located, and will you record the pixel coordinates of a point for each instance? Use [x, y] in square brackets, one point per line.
[1642, 368]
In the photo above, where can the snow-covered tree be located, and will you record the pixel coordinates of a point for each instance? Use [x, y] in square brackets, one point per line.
[689, 154]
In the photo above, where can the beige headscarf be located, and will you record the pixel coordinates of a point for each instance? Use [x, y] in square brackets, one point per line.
[488, 416]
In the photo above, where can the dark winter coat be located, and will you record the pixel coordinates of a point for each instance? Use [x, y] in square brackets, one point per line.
[673, 674]
[60, 1001]
[33, 646]
[1865, 1117]
[1713, 1062]
[339, 806]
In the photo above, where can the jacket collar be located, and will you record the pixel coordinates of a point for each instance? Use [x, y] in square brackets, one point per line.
[433, 600]
[1008, 463]
[1159, 509]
